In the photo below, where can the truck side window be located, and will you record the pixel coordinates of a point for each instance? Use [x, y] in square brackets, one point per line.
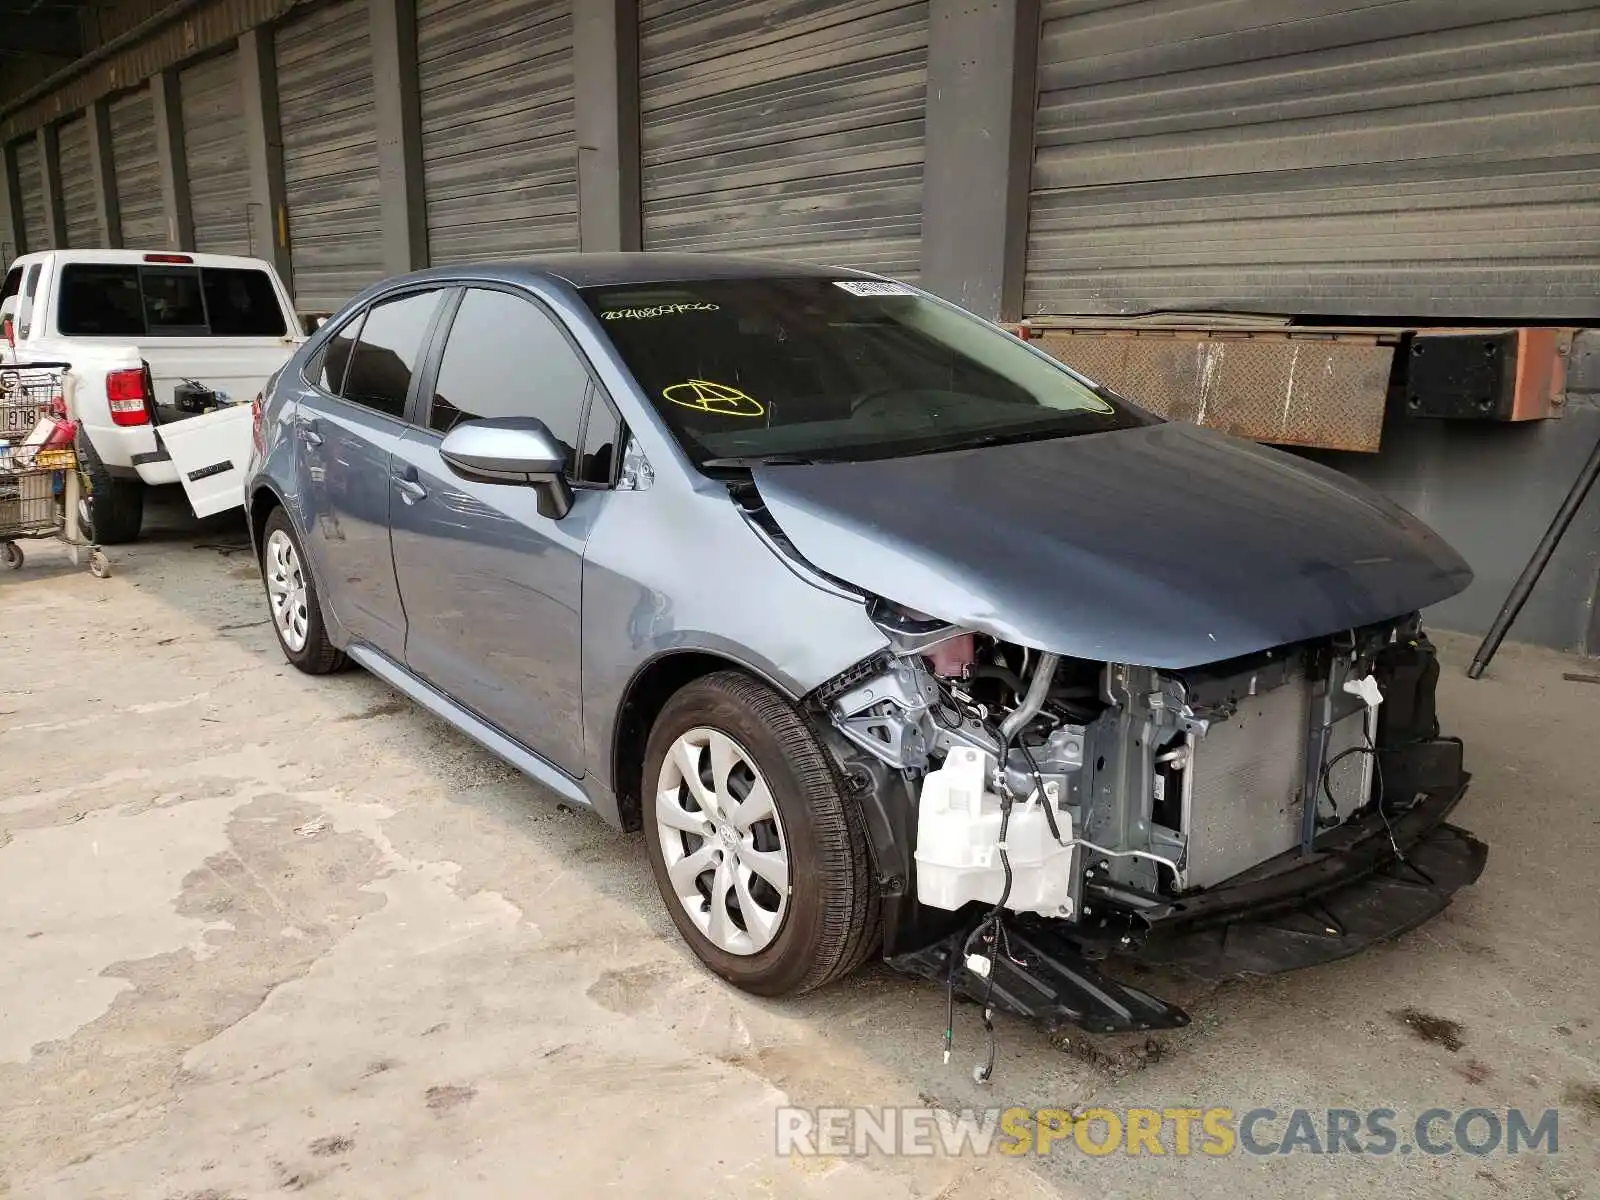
[13, 284]
[25, 308]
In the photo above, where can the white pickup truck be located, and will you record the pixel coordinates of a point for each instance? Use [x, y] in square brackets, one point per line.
[166, 352]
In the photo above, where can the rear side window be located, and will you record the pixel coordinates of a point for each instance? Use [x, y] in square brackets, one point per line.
[13, 284]
[128, 300]
[328, 365]
[387, 353]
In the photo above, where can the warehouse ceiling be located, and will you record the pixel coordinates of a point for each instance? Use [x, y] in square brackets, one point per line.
[40, 37]
[37, 39]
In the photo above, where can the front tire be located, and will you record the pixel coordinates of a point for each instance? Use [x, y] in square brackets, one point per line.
[292, 600]
[761, 861]
[115, 506]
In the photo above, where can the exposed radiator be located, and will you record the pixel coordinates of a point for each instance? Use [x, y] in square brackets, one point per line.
[1244, 800]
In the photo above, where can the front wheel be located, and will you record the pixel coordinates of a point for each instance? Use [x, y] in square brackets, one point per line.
[761, 861]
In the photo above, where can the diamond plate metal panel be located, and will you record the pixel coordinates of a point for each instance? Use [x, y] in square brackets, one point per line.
[1327, 393]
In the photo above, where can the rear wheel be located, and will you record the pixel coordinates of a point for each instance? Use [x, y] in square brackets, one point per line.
[114, 507]
[292, 600]
[762, 863]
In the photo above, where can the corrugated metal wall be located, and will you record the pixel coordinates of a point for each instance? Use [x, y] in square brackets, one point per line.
[500, 155]
[77, 186]
[133, 157]
[30, 179]
[330, 154]
[1427, 158]
[213, 144]
[785, 127]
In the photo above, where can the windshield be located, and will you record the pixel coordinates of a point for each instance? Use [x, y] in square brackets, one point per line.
[816, 368]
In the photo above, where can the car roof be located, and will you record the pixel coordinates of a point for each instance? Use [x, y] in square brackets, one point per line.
[608, 270]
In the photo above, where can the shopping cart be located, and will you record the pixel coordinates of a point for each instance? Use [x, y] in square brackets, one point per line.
[40, 484]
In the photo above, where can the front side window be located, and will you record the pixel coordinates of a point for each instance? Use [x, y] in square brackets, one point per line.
[815, 368]
[387, 352]
[507, 358]
[131, 300]
[601, 433]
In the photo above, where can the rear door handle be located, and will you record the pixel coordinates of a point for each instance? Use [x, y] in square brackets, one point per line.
[410, 490]
[309, 434]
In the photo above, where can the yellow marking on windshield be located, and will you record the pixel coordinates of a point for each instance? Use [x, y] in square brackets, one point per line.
[718, 399]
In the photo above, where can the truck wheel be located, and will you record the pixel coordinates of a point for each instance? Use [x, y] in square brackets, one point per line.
[761, 861]
[116, 506]
[292, 600]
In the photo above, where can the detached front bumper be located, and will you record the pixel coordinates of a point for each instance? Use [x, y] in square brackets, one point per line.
[1352, 898]
[1364, 883]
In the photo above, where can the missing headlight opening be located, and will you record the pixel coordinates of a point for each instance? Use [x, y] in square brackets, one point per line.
[1068, 810]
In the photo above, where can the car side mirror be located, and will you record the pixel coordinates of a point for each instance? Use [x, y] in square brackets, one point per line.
[516, 450]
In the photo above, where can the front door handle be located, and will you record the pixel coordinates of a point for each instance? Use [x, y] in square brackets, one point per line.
[410, 490]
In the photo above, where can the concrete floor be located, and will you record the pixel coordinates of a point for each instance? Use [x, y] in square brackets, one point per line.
[261, 933]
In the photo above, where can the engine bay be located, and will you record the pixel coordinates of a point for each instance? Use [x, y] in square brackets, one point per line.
[1047, 785]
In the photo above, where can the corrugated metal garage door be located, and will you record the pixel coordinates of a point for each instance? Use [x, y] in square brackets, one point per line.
[77, 186]
[785, 127]
[133, 155]
[213, 144]
[1430, 158]
[30, 180]
[330, 154]
[500, 154]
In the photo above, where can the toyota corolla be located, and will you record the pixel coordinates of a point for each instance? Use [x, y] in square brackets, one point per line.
[893, 635]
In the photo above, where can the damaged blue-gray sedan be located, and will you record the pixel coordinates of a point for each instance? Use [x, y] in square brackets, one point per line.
[892, 634]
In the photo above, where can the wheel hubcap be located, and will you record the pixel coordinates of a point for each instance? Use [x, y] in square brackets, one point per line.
[286, 590]
[726, 853]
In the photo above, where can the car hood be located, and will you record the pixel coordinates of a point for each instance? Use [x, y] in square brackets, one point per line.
[1165, 546]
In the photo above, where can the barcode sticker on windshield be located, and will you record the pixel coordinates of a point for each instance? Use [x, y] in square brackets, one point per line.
[873, 287]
